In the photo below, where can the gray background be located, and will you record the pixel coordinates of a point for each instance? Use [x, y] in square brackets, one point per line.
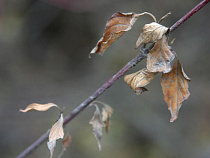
[44, 48]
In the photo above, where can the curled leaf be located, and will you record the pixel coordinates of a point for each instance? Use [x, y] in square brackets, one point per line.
[116, 26]
[175, 89]
[160, 57]
[56, 132]
[151, 33]
[139, 79]
[38, 107]
[97, 124]
[106, 115]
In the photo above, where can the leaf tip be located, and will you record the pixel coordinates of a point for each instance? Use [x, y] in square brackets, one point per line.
[21, 110]
[173, 118]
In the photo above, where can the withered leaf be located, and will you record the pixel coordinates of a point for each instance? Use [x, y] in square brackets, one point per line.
[106, 115]
[160, 57]
[139, 79]
[38, 107]
[175, 89]
[151, 33]
[51, 145]
[66, 141]
[116, 26]
[56, 132]
[97, 124]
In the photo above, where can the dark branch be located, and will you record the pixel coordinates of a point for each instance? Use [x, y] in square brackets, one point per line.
[109, 83]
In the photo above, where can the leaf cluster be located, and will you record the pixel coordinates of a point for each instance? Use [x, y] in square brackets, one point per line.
[160, 59]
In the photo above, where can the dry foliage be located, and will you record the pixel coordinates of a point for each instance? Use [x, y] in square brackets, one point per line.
[106, 116]
[97, 124]
[66, 141]
[160, 56]
[159, 59]
[138, 80]
[151, 33]
[175, 89]
[38, 107]
[56, 132]
[116, 26]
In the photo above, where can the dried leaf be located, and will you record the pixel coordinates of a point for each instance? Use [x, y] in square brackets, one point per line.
[97, 124]
[38, 107]
[151, 33]
[56, 132]
[51, 145]
[106, 115]
[175, 89]
[160, 57]
[139, 79]
[66, 141]
[116, 26]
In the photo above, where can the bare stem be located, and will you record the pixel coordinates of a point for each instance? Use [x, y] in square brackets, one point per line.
[109, 83]
[189, 14]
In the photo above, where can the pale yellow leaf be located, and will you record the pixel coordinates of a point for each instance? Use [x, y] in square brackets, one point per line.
[38, 107]
[56, 132]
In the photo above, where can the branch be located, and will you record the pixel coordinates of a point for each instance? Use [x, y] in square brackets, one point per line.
[110, 82]
[189, 14]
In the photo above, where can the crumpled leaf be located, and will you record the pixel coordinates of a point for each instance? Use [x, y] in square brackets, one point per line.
[116, 26]
[139, 79]
[106, 115]
[66, 141]
[151, 33]
[160, 57]
[56, 132]
[97, 124]
[38, 107]
[175, 89]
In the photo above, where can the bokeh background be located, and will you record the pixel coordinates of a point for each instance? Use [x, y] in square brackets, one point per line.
[44, 48]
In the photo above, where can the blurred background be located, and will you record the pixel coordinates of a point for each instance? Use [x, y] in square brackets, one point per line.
[44, 48]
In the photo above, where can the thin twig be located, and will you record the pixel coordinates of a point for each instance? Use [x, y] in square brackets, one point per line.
[109, 83]
[189, 14]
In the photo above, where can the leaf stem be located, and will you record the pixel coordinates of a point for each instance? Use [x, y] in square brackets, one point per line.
[148, 14]
[109, 83]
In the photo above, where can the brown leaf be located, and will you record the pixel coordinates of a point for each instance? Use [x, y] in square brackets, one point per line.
[151, 33]
[116, 26]
[160, 57]
[106, 115]
[38, 107]
[139, 79]
[66, 141]
[97, 124]
[175, 89]
[56, 132]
